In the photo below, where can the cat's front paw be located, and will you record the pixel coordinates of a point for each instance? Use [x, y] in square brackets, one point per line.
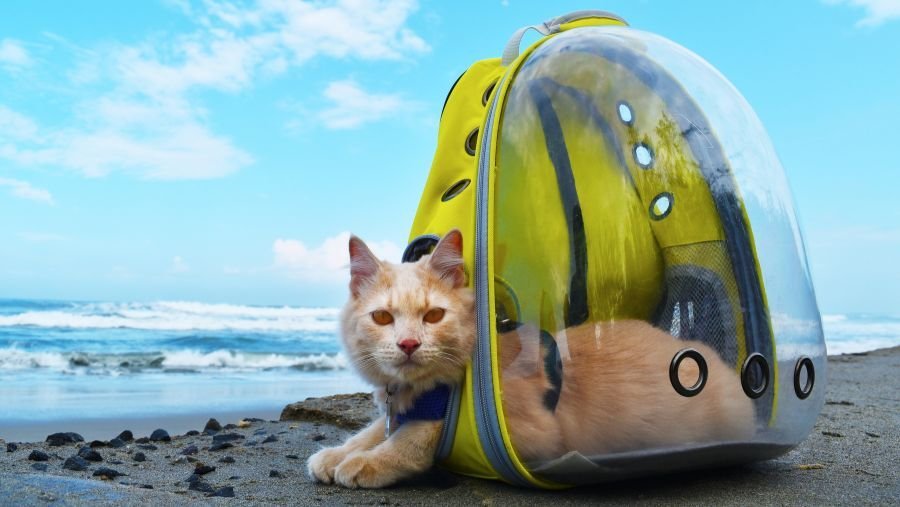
[321, 465]
[361, 471]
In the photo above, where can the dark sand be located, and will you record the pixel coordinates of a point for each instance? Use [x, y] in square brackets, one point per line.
[851, 458]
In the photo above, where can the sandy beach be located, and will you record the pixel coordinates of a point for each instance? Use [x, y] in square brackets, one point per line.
[850, 458]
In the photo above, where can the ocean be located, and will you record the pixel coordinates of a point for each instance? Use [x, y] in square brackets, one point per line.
[64, 360]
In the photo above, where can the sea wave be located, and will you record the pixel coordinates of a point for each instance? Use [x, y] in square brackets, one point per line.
[177, 316]
[165, 361]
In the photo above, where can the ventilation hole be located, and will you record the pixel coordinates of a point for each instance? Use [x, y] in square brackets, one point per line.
[472, 142]
[675, 378]
[455, 190]
[625, 113]
[420, 246]
[755, 375]
[643, 155]
[661, 206]
[804, 377]
[487, 93]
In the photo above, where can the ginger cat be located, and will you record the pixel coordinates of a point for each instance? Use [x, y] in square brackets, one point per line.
[408, 328]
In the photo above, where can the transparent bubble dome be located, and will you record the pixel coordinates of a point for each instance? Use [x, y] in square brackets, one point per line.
[635, 184]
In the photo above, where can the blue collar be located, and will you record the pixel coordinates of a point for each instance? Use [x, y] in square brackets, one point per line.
[430, 406]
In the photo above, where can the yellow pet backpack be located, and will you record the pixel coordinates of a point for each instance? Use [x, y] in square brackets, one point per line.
[608, 174]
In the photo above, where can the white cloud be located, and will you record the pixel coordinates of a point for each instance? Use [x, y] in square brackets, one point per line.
[876, 11]
[13, 54]
[138, 109]
[25, 190]
[327, 262]
[16, 126]
[179, 265]
[352, 106]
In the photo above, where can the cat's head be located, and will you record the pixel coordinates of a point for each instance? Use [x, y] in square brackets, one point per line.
[412, 323]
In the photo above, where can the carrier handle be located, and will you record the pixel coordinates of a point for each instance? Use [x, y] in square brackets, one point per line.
[511, 51]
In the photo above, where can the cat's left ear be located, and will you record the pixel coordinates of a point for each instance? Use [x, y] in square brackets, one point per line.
[447, 259]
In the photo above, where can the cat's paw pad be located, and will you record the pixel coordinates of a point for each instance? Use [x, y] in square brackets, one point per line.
[360, 471]
[321, 465]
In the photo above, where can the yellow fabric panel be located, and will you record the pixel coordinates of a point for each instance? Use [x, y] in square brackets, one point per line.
[464, 112]
[593, 21]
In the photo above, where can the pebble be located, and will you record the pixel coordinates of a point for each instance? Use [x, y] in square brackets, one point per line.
[202, 486]
[107, 474]
[317, 437]
[227, 459]
[221, 445]
[270, 439]
[126, 436]
[117, 443]
[40, 467]
[189, 450]
[160, 435]
[259, 432]
[58, 439]
[139, 456]
[292, 456]
[37, 455]
[148, 447]
[226, 491]
[230, 426]
[201, 469]
[115, 462]
[98, 443]
[192, 433]
[11, 447]
[75, 463]
[227, 437]
[275, 473]
[142, 440]
[89, 454]
[212, 425]
[243, 423]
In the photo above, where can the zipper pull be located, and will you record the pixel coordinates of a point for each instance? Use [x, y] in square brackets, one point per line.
[388, 413]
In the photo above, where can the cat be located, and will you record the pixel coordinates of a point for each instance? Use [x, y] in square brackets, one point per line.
[410, 327]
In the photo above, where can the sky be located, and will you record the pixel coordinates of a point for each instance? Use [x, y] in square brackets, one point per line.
[222, 151]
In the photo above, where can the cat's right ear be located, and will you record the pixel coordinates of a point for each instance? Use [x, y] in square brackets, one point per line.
[363, 265]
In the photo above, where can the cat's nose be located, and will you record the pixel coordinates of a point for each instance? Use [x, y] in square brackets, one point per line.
[408, 346]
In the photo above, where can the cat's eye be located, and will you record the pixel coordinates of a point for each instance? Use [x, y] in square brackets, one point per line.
[382, 317]
[434, 315]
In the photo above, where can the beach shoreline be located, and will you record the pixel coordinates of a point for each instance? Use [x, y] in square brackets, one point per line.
[849, 458]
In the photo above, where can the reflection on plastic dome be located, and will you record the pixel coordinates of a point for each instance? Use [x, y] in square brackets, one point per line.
[650, 283]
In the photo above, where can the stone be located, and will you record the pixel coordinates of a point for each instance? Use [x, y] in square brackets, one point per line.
[201, 469]
[227, 437]
[117, 443]
[99, 443]
[243, 423]
[292, 456]
[318, 437]
[201, 486]
[126, 436]
[107, 474]
[221, 445]
[349, 411]
[59, 439]
[37, 455]
[142, 440]
[89, 454]
[212, 425]
[139, 456]
[230, 426]
[225, 491]
[76, 463]
[11, 447]
[270, 439]
[192, 433]
[190, 450]
[147, 447]
[227, 459]
[160, 435]
[276, 474]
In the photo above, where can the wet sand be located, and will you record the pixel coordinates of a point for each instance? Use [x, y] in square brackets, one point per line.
[850, 458]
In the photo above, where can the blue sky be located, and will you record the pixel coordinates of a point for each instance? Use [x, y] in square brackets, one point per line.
[219, 151]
